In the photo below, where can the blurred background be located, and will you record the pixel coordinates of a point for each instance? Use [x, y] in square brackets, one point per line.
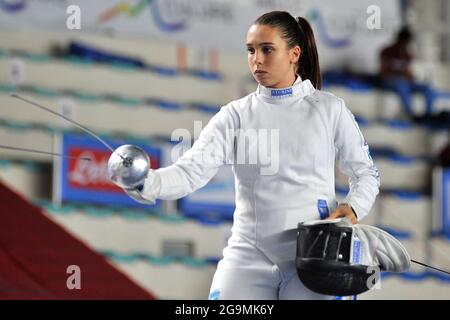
[152, 73]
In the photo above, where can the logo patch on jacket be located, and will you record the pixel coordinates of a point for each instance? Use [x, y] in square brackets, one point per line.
[282, 92]
[322, 207]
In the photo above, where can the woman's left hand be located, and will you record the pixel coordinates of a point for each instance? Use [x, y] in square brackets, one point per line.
[344, 210]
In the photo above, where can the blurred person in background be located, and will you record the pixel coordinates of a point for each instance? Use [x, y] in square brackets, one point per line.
[395, 72]
[443, 158]
[310, 129]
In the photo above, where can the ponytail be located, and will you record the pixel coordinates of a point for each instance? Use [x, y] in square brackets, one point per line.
[308, 65]
[297, 32]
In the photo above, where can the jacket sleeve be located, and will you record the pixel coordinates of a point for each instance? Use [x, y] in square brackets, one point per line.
[355, 161]
[193, 170]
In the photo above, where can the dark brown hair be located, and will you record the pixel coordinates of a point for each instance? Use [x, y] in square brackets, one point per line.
[297, 32]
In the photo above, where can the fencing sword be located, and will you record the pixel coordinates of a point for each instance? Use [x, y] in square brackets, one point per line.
[43, 152]
[428, 266]
[128, 165]
[15, 95]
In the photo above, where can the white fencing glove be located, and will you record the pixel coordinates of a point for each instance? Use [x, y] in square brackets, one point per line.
[148, 191]
[381, 249]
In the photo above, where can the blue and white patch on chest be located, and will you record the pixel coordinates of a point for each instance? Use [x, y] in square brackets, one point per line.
[281, 93]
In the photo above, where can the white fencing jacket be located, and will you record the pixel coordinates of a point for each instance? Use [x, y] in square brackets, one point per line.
[303, 131]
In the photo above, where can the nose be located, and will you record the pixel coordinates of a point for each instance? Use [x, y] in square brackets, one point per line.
[257, 58]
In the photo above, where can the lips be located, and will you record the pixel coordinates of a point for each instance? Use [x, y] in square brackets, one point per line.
[259, 72]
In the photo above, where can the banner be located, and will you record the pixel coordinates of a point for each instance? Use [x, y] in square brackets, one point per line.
[350, 37]
[87, 181]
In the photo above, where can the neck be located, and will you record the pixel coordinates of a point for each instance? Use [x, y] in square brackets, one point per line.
[288, 82]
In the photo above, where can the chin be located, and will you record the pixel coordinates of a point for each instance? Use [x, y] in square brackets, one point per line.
[264, 82]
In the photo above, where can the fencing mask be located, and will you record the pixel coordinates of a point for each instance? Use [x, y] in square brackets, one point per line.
[337, 258]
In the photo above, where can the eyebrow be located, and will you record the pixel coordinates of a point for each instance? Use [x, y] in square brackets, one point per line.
[261, 44]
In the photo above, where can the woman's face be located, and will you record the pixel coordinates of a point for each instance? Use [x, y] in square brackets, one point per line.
[272, 64]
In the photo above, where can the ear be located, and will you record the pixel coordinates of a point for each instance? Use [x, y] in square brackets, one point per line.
[295, 53]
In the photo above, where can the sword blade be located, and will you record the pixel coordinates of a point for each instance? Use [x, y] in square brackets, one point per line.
[15, 95]
[44, 152]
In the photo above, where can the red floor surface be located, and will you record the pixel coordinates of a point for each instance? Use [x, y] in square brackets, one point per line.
[35, 253]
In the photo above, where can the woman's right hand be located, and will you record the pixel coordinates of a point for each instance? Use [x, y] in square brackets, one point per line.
[148, 191]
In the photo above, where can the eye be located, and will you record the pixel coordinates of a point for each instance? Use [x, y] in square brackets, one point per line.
[250, 50]
[267, 50]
